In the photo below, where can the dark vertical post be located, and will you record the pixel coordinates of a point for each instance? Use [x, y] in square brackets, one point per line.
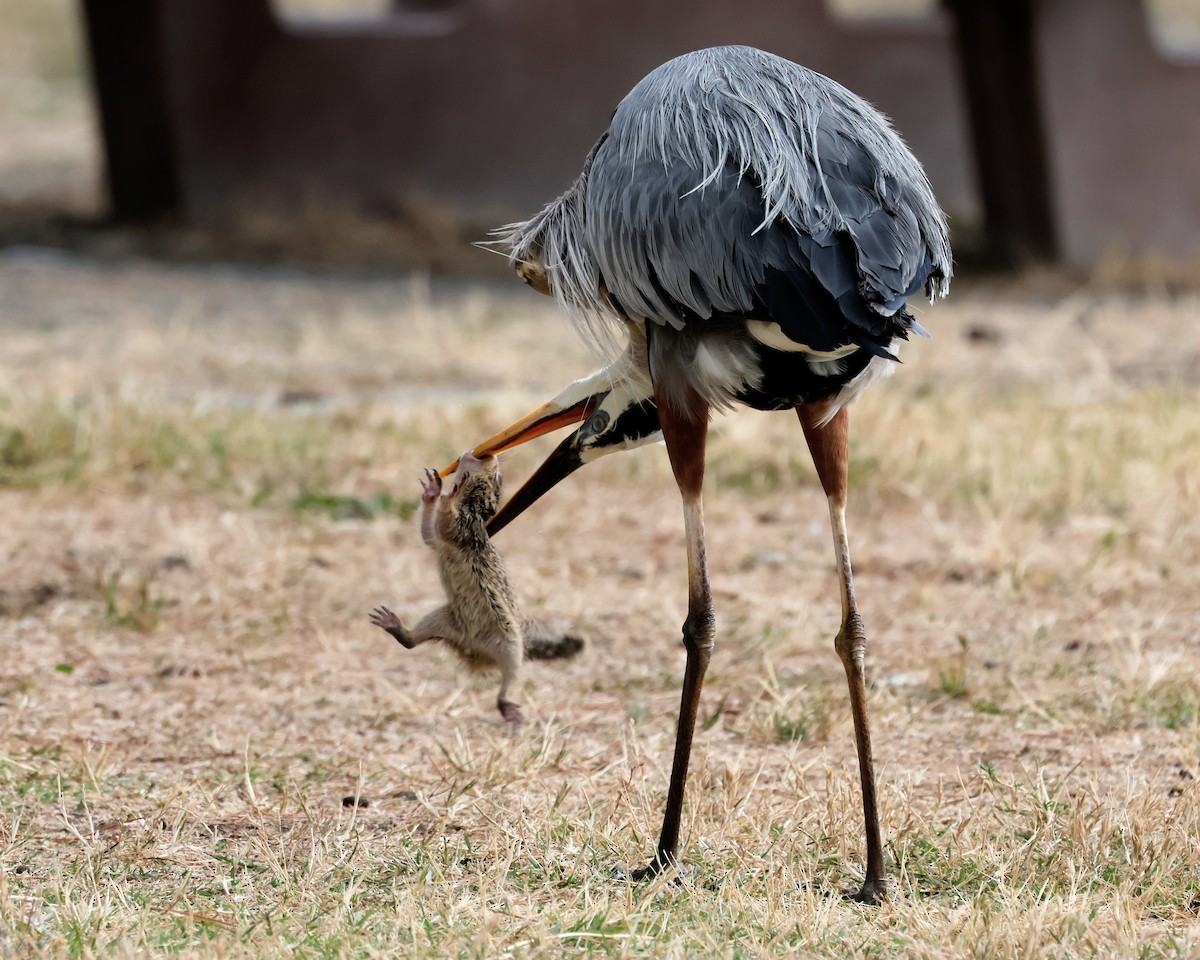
[998, 59]
[126, 49]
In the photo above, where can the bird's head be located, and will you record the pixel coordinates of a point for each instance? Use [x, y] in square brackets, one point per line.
[620, 420]
[617, 416]
[550, 252]
[534, 275]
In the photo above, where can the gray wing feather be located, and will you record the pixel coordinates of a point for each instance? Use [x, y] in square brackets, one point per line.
[728, 171]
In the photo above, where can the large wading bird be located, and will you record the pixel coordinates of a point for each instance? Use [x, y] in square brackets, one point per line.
[754, 229]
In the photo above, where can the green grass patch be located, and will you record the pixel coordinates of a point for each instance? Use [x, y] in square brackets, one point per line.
[345, 507]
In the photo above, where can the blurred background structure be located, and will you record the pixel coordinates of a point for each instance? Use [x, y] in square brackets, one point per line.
[208, 477]
[1060, 130]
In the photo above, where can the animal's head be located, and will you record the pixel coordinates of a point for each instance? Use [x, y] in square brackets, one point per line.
[474, 488]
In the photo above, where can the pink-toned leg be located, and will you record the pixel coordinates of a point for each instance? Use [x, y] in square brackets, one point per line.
[686, 436]
[829, 446]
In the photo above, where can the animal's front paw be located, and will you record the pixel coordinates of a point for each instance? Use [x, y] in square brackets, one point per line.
[432, 487]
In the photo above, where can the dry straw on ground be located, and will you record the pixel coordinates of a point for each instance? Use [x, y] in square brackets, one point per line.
[208, 480]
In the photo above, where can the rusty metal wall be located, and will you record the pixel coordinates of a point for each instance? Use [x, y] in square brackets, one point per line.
[481, 110]
[488, 109]
[1123, 133]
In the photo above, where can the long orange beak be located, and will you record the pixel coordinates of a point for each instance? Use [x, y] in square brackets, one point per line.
[543, 420]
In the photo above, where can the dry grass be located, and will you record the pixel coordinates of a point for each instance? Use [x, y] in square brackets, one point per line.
[208, 477]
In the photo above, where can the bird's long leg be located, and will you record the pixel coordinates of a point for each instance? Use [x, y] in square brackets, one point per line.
[829, 448]
[685, 435]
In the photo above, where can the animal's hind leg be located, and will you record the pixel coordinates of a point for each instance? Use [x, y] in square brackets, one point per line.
[829, 447]
[508, 659]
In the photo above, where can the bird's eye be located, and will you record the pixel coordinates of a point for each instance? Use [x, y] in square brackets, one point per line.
[597, 423]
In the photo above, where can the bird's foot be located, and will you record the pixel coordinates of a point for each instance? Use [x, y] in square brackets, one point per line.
[642, 874]
[873, 892]
[654, 868]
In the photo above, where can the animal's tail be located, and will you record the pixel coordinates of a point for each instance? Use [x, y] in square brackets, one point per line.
[544, 641]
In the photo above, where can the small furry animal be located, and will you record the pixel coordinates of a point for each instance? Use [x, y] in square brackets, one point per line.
[481, 621]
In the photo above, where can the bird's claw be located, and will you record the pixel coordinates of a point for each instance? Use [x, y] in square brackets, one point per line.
[639, 874]
[872, 893]
[654, 868]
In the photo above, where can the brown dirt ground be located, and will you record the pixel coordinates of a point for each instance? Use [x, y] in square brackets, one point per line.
[262, 628]
[178, 633]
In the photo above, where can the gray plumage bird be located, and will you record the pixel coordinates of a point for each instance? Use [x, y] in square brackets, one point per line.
[753, 230]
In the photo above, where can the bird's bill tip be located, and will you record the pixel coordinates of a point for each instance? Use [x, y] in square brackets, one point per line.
[468, 460]
[561, 463]
[545, 419]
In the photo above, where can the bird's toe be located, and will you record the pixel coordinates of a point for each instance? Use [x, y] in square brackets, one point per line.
[872, 893]
[654, 868]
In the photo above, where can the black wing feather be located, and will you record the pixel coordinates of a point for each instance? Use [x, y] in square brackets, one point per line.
[675, 255]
